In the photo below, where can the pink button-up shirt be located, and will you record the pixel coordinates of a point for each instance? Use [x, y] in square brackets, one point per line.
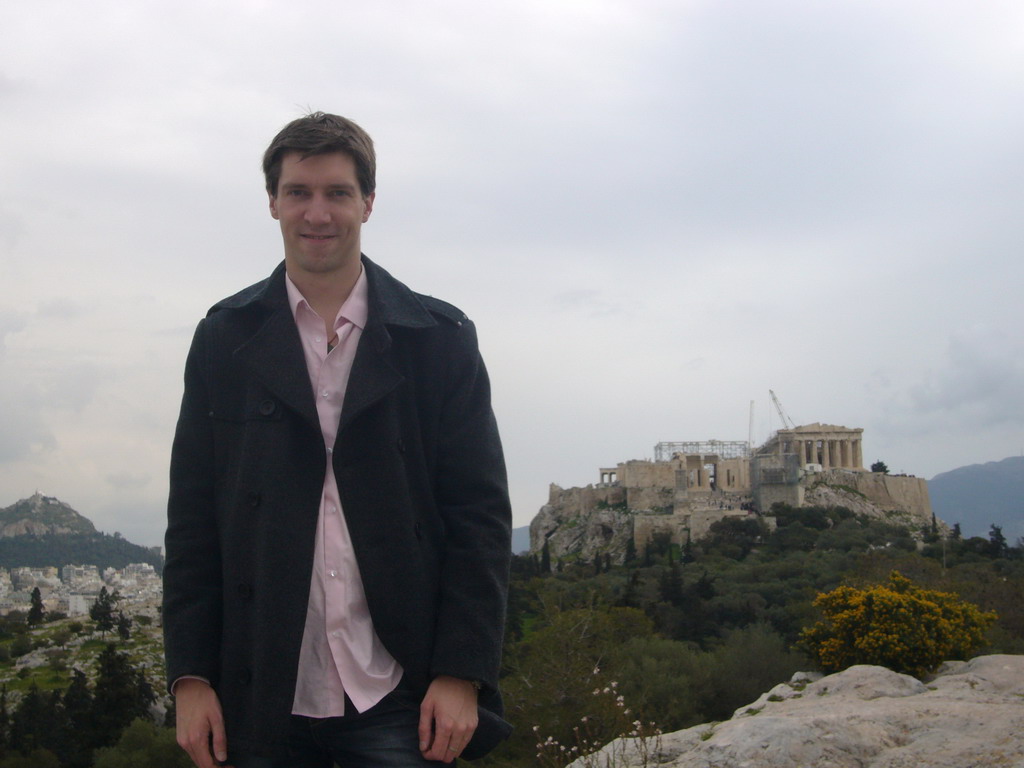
[341, 653]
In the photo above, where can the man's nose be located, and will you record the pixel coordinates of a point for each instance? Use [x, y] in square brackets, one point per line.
[318, 212]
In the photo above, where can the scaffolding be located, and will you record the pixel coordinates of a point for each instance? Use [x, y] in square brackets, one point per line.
[724, 449]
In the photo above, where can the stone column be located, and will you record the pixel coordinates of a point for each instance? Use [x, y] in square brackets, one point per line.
[826, 454]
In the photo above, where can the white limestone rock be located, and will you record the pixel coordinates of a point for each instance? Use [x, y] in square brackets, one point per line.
[969, 714]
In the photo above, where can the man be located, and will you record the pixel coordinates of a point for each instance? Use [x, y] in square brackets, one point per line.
[338, 521]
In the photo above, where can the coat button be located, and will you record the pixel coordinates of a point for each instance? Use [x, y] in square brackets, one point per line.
[245, 677]
[245, 591]
[254, 498]
[418, 531]
[401, 445]
[267, 407]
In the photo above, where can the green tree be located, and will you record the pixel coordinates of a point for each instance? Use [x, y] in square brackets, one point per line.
[670, 585]
[124, 626]
[898, 625]
[61, 637]
[880, 466]
[79, 739]
[36, 614]
[30, 722]
[554, 672]
[102, 611]
[122, 694]
[21, 645]
[143, 743]
[997, 541]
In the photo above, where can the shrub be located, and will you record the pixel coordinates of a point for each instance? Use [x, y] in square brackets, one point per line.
[896, 625]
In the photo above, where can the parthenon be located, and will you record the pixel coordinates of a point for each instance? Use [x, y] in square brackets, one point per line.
[825, 445]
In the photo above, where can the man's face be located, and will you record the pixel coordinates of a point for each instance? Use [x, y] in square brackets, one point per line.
[321, 210]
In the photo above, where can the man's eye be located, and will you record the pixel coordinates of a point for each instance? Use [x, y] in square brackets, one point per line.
[340, 193]
[296, 193]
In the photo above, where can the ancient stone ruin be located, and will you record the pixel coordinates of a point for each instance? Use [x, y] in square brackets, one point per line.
[691, 485]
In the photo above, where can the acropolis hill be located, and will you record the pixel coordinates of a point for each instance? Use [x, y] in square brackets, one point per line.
[690, 486]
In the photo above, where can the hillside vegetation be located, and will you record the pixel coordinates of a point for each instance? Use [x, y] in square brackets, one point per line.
[686, 635]
[673, 638]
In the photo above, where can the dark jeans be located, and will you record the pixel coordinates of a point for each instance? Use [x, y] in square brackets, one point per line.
[384, 736]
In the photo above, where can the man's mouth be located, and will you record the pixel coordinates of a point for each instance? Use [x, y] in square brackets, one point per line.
[318, 237]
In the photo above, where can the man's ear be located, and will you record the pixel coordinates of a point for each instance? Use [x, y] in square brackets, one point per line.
[273, 205]
[367, 206]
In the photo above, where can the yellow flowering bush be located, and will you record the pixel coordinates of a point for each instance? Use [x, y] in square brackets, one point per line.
[898, 625]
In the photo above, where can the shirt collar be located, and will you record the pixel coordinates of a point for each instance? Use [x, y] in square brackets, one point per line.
[355, 309]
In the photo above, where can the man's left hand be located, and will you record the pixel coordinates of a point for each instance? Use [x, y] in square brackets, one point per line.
[448, 718]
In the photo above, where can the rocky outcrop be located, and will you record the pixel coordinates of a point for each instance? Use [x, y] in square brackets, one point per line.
[900, 499]
[969, 714]
[582, 522]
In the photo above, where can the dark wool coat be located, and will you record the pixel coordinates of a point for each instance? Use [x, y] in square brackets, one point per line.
[422, 483]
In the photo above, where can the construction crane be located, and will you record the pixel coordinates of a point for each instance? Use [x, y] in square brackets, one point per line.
[786, 421]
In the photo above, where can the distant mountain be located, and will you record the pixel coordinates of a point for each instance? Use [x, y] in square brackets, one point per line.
[42, 530]
[980, 495]
[39, 515]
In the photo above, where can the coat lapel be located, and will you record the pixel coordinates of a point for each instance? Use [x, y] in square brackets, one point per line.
[375, 373]
[274, 355]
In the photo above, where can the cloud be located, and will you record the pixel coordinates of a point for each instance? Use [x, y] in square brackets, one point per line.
[24, 430]
[128, 481]
[61, 308]
[980, 383]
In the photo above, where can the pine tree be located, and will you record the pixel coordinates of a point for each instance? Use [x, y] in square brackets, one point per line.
[121, 695]
[997, 541]
[79, 720]
[124, 626]
[30, 722]
[36, 614]
[670, 585]
[102, 611]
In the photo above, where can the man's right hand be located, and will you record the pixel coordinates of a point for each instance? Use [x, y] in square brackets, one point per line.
[200, 722]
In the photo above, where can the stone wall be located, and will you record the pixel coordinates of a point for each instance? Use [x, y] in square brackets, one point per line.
[903, 494]
[647, 474]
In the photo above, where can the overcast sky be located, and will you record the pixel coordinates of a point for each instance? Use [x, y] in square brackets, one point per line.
[654, 211]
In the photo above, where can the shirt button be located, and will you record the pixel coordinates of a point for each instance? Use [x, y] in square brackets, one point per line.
[333, 574]
[336, 633]
[330, 450]
[326, 393]
[319, 338]
[330, 508]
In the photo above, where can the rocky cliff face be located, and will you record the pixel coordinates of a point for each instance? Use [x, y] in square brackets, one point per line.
[970, 714]
[897, 498]
[582, 522]
[40, 515]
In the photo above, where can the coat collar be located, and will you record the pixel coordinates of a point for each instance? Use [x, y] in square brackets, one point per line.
[274, 352]
[391, 301]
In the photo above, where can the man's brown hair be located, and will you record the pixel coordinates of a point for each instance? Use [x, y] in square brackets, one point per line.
[319, 133]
